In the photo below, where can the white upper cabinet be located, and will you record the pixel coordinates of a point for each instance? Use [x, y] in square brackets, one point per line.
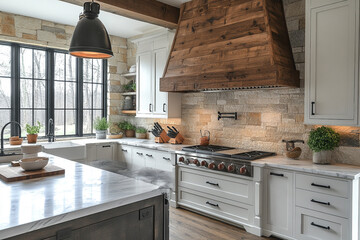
[331, 73]
[152, 54]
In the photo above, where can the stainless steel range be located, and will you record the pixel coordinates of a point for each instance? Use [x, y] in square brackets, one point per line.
[220, 158]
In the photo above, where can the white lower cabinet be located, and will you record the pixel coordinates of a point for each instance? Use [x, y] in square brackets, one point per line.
[101, 151]
[125, 155]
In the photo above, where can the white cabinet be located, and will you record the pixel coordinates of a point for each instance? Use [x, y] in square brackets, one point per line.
[331, 72]
[278, 216]
[151, 59]
[106, 151]
[125, 155]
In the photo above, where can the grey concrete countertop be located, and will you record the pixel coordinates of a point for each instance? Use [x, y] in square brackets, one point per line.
[83, 190]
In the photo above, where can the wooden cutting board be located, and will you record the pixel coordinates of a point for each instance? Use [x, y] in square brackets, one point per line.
[12, 174]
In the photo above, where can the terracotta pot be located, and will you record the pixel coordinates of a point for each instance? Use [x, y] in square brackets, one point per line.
[32, 138]
[322, 157]
[130, 133]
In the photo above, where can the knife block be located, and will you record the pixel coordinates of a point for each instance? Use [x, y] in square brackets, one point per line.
[163, 138]
[179, 139]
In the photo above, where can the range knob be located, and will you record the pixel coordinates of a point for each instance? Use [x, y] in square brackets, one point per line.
[221, 166]
[196, 162]
[204, 163]
[181, 159]
[231, 168]
[212, 166]
[243, 170]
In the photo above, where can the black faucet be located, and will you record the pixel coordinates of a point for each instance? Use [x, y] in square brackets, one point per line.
[2, 137]
[51, 134]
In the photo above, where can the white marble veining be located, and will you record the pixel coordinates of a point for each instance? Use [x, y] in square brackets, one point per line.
[83, 190]
[332, 170]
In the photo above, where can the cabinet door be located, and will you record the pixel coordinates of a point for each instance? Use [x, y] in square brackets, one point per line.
[144, 83]
[138, 158]
[279, 205]
[105, 152]
[124, 155]
[161, 98]
[331, 47]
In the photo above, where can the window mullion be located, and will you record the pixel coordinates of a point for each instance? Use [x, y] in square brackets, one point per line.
[79, 97]
[15, 87]
[104, 90]
[50, 68]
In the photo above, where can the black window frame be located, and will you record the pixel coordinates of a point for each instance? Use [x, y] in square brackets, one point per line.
[49, 88]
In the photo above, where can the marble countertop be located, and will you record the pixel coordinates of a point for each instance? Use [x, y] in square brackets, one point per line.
[83, 190]
[333, 170]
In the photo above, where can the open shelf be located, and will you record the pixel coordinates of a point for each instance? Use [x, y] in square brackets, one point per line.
[128, 93]
[130, 112]
[128, 74]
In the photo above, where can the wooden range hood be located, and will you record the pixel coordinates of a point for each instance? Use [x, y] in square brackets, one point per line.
[230, 44]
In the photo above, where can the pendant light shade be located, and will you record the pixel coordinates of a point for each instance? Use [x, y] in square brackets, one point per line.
[90, 38]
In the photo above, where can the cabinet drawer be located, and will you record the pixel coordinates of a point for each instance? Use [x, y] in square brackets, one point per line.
[232, 188]
[216, 206]
[311, 225]
[324, 185]
[323, 203]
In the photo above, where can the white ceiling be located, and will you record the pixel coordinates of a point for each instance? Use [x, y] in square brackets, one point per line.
[66, 13]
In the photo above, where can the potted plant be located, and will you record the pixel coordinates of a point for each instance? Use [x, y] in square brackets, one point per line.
[322, 141]
[128, 128]
[130, 87]
[141, 133]
[115, 131]
[101, 125]
[32, 132]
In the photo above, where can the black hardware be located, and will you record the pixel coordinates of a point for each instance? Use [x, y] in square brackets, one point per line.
[139, 153]
[316, 225]
[212, 204]
[2, 136]
[312, 108]
[318, 185]
[150, 107]
[148, 155]
[164, 110]
[106, 146]
[277, 174]
[124, 150]
[214, 184]
[324, 203]
[167, 159]
[227, 115]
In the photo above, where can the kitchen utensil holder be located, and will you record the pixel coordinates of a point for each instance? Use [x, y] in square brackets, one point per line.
[179, 139]
[163, 138]
[227, 115]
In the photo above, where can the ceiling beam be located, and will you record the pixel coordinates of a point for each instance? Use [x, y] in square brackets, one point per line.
[150, 11]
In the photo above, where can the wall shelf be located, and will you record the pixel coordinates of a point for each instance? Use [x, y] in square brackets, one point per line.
[128, 75]
[129, 112]
[128, 93]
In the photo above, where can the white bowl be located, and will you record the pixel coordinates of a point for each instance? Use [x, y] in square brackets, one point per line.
[31, 164]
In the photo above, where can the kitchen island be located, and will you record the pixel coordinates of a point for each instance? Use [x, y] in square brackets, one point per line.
[84, 203]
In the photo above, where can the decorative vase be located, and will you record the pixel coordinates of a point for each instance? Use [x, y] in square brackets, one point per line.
[130, 133]
[32, 138]
[322, 157]
[100, 134]
[141, 135]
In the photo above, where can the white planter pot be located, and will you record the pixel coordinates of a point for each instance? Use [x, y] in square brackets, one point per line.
[100, 134]
[322, 157]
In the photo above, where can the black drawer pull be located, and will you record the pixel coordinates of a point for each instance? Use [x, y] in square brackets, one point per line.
[212, 204]
[139, 153]
[124, 150]
[312, 108]
[106, 146]
[211, 183]
[324, 203]
[148, 155]
[319, 226]
[277, 174]
[318, 185]
[167, 159]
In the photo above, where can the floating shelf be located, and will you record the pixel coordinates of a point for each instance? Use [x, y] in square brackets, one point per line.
[128, 74]
[128, 93]
[130, 112]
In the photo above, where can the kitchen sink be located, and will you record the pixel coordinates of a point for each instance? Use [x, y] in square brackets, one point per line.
[66, 149]
[54, 145]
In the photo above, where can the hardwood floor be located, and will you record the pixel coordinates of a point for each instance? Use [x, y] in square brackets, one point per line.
[186, 225]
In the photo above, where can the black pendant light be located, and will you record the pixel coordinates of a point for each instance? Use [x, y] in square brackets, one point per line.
[90, 38]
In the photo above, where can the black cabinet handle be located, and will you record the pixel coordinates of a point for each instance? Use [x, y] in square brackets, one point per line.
[211, 183]
[277, 174]
[212, 204]
[106, 146]
[139, 153]
[164, 105]
[312, 108]
[319, 226]
[318, 185]
[148, 155]
[324, 203]
[150, 107]
[124, 150]
[167, 159]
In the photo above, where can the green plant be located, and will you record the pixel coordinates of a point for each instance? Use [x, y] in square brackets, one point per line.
[101, 124]
[114, 129]
[130, 87]
[141, 130]
[126, 126]
[33, 129]
[323, 138]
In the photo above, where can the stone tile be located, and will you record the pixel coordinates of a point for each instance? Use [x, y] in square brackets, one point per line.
[297, 38]
[7, 29]
[253, 118]
[29, 36]
[27, 22]
[46, 36]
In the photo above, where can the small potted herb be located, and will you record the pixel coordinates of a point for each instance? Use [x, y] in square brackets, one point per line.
[128, 128]
[130, 87]
[322, 141]
[115, 132]
[141, 133]
[32, 132]
[101, 125]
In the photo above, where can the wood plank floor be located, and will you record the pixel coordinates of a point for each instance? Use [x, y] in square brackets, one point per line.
[186, 225]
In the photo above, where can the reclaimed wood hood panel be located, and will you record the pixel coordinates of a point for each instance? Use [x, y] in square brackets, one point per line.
[230, 44]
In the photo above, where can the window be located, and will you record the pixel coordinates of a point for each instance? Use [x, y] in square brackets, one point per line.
[37, 84]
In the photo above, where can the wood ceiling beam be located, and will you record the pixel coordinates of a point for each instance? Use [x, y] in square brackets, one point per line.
[150, 11]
